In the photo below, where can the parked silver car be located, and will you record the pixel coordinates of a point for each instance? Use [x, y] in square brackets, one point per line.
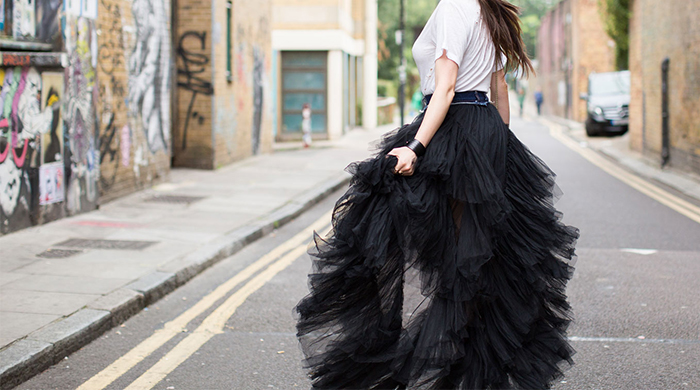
[608, 101]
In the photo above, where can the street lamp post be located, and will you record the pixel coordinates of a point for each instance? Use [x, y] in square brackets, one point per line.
[402, 61]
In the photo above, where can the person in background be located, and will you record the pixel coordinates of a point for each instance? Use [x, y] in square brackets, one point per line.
[306, 124]
[521, 99]
[538, 100]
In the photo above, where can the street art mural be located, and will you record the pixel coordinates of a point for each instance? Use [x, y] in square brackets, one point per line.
[258, 88]
[149, 72]
[104, 108]
[47, 19]
[23, 122]
[79, 115]
[112, 94]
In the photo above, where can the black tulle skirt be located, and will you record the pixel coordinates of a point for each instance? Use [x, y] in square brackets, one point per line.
[477, 226]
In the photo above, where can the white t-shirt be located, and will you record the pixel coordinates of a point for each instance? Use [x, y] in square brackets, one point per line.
[456, 27]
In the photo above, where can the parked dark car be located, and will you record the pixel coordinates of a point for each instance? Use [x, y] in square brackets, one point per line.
[607, 103]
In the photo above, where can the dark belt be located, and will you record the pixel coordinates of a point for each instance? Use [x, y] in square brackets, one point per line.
[478, 98]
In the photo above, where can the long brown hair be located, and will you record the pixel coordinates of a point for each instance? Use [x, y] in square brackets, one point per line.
[502, 20]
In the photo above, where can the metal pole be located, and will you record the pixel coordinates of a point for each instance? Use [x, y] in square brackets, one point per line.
[665, 130]
[402, 61]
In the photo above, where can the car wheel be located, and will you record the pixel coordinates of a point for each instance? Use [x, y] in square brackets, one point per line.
[590, 132]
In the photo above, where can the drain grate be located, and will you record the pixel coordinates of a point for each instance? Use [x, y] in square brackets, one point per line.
[175, 199]
[58, 253]
[105, 244]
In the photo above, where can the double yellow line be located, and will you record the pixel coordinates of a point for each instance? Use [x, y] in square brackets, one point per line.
[655, 192]
[212, 325]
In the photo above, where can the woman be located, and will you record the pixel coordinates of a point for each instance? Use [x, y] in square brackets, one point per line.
[456, 197]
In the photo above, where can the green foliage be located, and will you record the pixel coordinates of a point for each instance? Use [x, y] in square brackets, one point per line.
[417, 14]
[531, 11]
[616, 18]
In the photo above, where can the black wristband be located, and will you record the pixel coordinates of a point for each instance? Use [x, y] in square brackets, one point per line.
[417, 147]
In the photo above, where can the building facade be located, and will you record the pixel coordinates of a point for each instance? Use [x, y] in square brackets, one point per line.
[571, 44]
[659, 31]
[85, 104]
[324, 54]
[100, 98]
[223, 109]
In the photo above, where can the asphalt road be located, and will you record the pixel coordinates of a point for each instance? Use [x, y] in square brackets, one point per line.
[634, 294]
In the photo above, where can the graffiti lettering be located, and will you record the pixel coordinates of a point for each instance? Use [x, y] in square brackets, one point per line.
[193, 64]
[15, 60]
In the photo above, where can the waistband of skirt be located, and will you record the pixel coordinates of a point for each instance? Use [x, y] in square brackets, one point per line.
[478, 98]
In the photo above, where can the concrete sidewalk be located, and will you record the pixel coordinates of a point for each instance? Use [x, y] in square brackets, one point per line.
[618, 150]
[64, 283]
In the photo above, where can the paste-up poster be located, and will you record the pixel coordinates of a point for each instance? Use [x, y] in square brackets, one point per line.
[51, 95]
[51, 183]
[24, 19]
[2, 15]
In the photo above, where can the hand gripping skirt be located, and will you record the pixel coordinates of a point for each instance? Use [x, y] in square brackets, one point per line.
[477, 225]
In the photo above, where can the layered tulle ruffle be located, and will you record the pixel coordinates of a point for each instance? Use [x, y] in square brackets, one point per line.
[477, 223]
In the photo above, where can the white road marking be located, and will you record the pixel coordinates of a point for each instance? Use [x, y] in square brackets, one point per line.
[631, 340]
[645, 252]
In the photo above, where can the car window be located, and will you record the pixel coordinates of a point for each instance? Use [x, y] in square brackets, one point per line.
[617, 83]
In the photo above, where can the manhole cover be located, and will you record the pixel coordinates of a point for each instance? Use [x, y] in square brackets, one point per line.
[58, 253]
[105, 244]
[176, 199]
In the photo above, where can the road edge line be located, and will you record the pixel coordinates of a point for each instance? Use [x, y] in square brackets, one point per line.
[614, 168]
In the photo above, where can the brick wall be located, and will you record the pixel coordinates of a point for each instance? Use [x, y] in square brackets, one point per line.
[593, 51]
[571, 45]
[224, 96]
[133, 107]
[192, 138]
[242, 103]
[667, 29]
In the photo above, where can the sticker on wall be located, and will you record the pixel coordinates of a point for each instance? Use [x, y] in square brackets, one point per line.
[24, 19]
[85, 8]
[51, 94]
[51, 184]
[2, 15]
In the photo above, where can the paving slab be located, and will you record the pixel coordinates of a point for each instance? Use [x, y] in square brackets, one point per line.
[15, 325]
[56, 297]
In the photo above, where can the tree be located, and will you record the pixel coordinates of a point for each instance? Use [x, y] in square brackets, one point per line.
[616, 18]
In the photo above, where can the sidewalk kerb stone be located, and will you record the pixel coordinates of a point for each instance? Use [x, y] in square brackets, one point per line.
[74, 331]
[154, 286]
[641, 166]
[22, 360]
[122, 304]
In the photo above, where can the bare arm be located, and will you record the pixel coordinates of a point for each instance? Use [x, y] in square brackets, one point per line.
[445, 80]
[498, 84]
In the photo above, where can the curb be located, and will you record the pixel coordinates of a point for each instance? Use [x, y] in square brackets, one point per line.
[643, 167]
[47, 346]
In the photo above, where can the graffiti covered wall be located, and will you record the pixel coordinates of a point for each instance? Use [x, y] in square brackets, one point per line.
[93, 123]
[224, 95]
[134, 73]
[192, 140]
[243, 119]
